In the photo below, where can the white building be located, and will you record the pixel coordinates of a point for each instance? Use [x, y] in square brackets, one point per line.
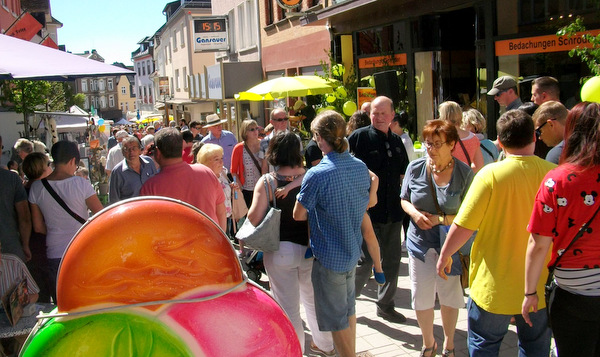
[143, 65]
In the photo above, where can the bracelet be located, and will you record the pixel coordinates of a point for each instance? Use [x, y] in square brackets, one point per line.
[531, 294]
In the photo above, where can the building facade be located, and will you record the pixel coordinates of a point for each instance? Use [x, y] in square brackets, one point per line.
[126, 96]
[453, 50]
[176, 59]
[143, 65]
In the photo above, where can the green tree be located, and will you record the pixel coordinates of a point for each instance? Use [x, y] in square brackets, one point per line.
[590, 56]
[26, 97]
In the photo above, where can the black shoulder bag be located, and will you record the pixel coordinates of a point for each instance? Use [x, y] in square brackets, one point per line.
[550, 287]
[61, 202]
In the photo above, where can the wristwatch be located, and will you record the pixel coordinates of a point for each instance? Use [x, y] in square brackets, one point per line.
[441, 219]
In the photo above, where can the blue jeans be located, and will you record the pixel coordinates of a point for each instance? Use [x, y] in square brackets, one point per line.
[486, 331]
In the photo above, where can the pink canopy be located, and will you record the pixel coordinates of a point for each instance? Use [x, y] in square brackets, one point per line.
[27, 60]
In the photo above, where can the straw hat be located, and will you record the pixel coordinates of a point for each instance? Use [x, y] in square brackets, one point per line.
[213, 119]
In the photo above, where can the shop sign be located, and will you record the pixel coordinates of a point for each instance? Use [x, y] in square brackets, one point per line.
[543, 44]
[210, 34]
[365, 94]
[398, 59]
[163, 86]
[214, 81]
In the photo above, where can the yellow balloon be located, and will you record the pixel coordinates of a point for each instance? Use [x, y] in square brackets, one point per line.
[340, 92]
[349, 108]
[372, 82]
[330, 98]
[101, 128]
[590, 92]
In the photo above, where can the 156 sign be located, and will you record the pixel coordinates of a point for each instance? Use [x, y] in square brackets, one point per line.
[210, 34]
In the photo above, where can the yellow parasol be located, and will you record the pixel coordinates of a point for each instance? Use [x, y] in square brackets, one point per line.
[281, 87]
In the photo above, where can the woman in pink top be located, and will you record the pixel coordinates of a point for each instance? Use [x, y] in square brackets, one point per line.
[467, 149]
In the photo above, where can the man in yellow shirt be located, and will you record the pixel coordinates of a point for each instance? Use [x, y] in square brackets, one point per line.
[499, 204]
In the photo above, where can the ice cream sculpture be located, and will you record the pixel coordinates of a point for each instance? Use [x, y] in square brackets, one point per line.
[156, 277]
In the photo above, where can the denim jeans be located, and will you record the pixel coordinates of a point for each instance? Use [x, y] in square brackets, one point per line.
[486, 331]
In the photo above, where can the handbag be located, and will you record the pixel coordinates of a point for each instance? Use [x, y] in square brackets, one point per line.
[550, 286]
[265, 236]
[238, 205]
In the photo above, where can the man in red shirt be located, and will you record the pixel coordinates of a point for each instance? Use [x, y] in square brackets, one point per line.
[193, 184]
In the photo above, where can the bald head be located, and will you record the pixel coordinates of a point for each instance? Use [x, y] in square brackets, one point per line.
[382, 113]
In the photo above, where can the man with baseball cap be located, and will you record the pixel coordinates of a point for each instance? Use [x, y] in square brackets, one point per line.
[223, 138]
[505, 92]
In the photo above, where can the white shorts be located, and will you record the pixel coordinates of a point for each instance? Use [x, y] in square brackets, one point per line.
[425, 283]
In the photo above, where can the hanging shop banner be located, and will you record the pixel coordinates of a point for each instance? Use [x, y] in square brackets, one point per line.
[289, 4]
[398, 59]
[163, 86]
[543, 44]
[210, 34]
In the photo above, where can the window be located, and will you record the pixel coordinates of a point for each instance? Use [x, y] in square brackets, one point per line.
[140, 93]
[123, 90]
[269, 16]
[84, 85]
[175, 33]
[93, 85]
[101, 85]
[148, 63]
[185, 82]
[183, 35]
[110, 84]
[86, 103]
[111, 101]
[245, 20]
[177, 84]
[127, 106]
[143, 71]
[137, 69]
[103, 102]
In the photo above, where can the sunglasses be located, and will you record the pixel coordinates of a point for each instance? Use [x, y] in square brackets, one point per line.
[281, 119]
[499, 93]
[538, 130]
[252, 129]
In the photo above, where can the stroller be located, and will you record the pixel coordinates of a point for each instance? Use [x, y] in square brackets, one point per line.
[252, 263]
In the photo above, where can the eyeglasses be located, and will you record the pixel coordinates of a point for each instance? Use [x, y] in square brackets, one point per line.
[252, 129]
[130, 149]
[538, 130]
[280, 119]
[437, 144]
[499, 93]
[387, 147]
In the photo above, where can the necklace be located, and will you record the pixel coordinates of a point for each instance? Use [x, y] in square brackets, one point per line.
[437, 171]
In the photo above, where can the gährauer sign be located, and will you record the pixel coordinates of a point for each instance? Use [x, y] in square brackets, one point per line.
[210, 34]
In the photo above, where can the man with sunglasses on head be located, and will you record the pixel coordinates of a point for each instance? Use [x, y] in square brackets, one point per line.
[280, 120]
[505, 92]
[549, 120]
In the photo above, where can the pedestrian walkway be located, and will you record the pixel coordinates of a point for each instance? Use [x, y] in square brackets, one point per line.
[380, 338]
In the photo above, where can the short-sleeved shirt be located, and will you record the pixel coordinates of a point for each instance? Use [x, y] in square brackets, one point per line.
[336, 193]
[416, 190]
[471, 144]
[566, 200]
[115, 155]
[195, 184]
[61, 226]
[385, 155]
[499, 204]
[312, 153]
[126, 183]
[11, 193]
[227, 141]
[12, 272]
[554, 154]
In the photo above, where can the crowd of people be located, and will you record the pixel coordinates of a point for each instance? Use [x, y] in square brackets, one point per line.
[346, 199]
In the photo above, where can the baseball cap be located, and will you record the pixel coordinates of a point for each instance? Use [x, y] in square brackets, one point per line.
[501, 84]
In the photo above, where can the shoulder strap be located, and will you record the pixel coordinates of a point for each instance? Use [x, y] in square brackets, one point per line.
[582, 230]
[433, 190]
[486, 149]
[465, 151]
[253, 158]
[61, 202]
[269, 190]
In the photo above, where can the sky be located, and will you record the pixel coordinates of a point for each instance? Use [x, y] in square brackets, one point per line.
[111, 27]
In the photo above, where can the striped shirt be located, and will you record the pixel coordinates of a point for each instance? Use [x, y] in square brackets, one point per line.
[579, 281]
[12, 272]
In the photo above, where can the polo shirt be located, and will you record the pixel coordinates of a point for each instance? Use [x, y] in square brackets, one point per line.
[227, 141]
[195, 184]
[386, 156]
[336, 193]
[126, 183]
